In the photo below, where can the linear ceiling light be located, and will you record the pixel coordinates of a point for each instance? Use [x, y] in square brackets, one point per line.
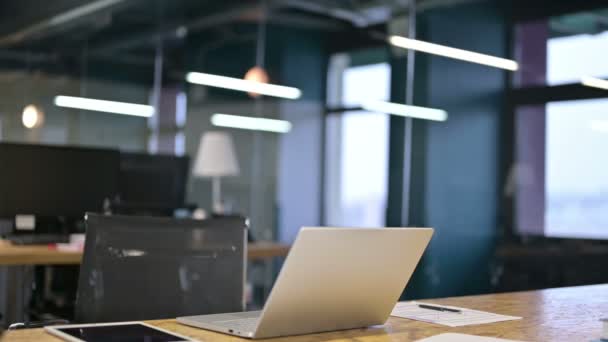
[406, 110]
[594, 82]
[250, 123]
[243, 85]
[104, 106]
[450, 52]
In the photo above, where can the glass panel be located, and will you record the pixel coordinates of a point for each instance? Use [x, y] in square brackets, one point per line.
[560, 173]
[576, 180]
[560, 50]
[569, 58]
[356, 83]
[357, 152]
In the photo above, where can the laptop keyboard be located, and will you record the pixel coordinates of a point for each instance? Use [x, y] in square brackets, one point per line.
[241, 324]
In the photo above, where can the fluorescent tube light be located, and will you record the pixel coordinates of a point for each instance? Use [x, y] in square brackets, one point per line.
[594, 82]
[250, 123]
[243, 85]
[104, 106]
[406, 110]
[450, 52]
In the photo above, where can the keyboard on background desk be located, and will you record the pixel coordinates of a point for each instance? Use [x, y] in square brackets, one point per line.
[37, 239]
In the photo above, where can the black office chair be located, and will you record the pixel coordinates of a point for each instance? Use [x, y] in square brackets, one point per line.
[140, 268]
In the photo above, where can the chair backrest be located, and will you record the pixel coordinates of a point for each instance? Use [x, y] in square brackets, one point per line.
[139, 268]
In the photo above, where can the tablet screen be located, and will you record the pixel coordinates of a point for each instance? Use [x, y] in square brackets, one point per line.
[119, 333]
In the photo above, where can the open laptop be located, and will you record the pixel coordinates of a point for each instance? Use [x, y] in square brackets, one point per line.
[332, 279]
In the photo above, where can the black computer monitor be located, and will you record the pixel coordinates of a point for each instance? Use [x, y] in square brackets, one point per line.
[154, 181]
[56, 180]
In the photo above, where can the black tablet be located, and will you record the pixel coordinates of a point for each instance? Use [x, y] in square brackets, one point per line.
[114, 332]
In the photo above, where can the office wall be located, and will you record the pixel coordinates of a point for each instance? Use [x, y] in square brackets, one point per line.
[304, 63]
[455, 165]
[300, 163]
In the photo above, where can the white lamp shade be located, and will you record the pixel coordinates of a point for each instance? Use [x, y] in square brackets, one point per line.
[216, 157]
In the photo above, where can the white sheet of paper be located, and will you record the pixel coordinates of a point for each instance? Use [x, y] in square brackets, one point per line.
[411, 310]
[452, 337]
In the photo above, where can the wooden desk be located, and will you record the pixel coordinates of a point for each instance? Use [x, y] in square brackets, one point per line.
[565, 314]
[43, 255]
[266, 250]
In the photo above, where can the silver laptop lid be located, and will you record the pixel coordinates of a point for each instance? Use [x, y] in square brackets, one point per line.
[341, 278]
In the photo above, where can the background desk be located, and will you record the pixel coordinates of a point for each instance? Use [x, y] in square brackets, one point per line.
[21, 258]
[43, 255]
[566, 314]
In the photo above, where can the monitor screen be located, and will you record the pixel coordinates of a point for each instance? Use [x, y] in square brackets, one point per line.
[155, 180]
[55, 181]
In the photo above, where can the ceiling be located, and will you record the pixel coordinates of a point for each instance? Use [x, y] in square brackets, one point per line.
[114, 23]
[63, 36]
[59, 36]
[59, 28]
[586, 22]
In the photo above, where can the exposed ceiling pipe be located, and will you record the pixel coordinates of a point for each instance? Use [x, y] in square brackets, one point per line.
[64, 19]
[373, 13]
[354, 17]
[35, 57]
[426, 5]
[148, 37]
[241, 13]
[305, 20]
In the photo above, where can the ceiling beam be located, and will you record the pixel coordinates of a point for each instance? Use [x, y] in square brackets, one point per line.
[173, 30]
[59, 21]
[353, 17]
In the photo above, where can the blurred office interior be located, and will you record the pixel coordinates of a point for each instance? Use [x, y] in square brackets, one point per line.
[513, 178]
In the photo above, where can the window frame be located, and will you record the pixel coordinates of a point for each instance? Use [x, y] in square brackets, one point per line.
[536, 95]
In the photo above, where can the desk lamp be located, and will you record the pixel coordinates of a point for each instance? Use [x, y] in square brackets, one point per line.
[215, 159]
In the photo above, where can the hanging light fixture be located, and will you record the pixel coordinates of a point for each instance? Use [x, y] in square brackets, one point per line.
[256, 80]
[258, 73]
[250, 123]
[243, 85]
[32, 117]
[450, 52]
[594, 82]
[408, 111]
[97, 105]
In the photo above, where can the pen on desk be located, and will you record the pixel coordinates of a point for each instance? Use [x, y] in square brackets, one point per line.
[438, 308]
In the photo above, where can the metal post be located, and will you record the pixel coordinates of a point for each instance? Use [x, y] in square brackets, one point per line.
[258, 183]
[409, 99]
[217, 205]
[154, 120]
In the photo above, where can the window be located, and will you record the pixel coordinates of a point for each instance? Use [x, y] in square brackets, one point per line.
[559, 174]
[562, 169]
[357, 150]
[570, 57]
[560, 50]
[576, 169]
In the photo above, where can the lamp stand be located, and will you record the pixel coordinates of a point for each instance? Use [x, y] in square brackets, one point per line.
[218, 208]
